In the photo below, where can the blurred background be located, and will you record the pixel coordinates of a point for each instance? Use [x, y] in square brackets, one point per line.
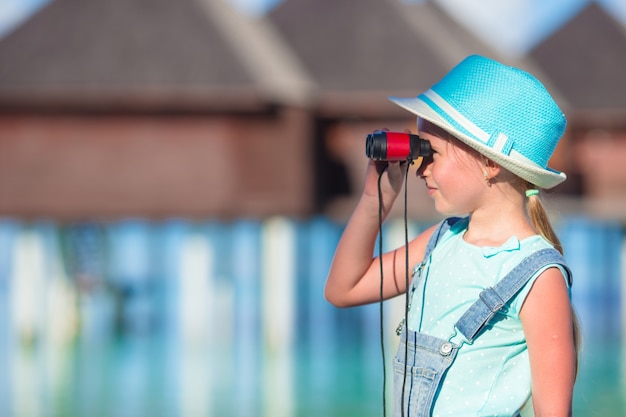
[175, 175]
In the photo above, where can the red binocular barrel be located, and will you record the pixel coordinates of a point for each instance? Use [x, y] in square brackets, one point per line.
[395, 146]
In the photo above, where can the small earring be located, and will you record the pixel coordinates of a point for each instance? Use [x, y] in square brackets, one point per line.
[487, 179]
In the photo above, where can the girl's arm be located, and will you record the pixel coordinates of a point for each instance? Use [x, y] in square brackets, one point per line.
[547, 321]
[354, 276]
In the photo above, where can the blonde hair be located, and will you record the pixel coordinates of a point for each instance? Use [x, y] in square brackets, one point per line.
[540, 220]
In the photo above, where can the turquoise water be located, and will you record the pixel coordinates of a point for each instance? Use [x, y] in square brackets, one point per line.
[181, 319]
[601, 389]
[148, 375]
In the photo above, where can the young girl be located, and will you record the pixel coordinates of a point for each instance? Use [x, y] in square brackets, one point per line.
[475, 343]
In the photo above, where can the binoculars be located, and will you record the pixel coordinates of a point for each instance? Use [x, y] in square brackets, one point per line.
[395, 146]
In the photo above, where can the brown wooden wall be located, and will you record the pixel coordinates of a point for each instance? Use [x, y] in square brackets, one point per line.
[102, 166]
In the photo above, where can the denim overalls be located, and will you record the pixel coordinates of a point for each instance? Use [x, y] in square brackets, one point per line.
[428, 358]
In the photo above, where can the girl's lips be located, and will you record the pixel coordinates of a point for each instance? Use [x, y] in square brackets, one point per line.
[431, 190]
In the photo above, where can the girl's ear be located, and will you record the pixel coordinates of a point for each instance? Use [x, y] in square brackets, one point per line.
[490, 169]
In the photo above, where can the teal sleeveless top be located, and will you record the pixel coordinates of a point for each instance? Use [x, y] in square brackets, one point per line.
[490, 376]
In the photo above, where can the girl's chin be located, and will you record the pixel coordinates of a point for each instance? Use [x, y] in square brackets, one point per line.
[447, 210]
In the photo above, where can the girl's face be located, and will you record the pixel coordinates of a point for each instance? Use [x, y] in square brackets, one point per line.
[454, 177]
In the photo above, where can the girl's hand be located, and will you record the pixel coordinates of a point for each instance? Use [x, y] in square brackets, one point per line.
[391, 182]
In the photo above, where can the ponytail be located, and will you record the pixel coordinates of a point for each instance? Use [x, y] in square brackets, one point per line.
[540, 220]
[541, 223]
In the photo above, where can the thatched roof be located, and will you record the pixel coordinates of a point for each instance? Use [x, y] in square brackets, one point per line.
[586, 60]
[360, 51]
[145, 53]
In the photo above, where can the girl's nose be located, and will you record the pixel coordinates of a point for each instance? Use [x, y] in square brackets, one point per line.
[424, 165]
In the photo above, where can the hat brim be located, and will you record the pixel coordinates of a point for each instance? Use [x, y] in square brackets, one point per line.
[517, 164]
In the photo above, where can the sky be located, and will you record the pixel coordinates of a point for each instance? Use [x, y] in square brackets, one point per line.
[515, 26]
[510, 26]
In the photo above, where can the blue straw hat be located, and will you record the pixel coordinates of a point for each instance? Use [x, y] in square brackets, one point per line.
[502, 112]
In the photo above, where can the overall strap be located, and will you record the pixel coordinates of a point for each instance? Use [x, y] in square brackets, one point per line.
[493, 299]
[439, 231]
